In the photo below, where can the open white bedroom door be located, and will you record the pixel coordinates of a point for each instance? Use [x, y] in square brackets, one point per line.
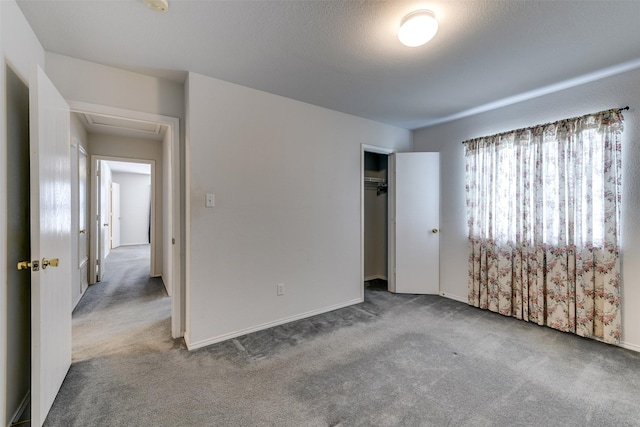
[51, 261]
[83, 211]
[115, 215]
[101, 200]
[414, 218]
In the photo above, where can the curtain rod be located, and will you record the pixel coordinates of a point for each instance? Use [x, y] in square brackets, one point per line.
[619, 109]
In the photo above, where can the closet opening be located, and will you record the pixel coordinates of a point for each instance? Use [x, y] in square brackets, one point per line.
[17, 317]
[375, 213]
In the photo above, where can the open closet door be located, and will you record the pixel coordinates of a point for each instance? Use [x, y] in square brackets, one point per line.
[414, 217]
[50, 197]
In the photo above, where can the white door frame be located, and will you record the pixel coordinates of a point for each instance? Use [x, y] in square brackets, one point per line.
[365, 148]
[176, 252]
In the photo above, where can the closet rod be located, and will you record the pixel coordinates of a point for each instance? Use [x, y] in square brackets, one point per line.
[372, 179]
[546, 124]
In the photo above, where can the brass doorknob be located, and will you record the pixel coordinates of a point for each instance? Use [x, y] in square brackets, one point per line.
[53, 262]
[83, 231]
[434, 230]
[24, 265]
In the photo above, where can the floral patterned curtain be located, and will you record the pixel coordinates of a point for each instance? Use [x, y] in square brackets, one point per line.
[543, 209]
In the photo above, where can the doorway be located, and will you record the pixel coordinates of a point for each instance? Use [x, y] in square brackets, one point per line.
[374, 207]
[131, 211]
[18, 296]
[409, 185]
[125, 207]
[102, 121]
[376, 204]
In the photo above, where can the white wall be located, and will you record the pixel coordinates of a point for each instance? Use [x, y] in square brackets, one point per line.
[20, 49]
[116, 146]
[135, 199]
[86, 81]
[616, 91]
[286, 177]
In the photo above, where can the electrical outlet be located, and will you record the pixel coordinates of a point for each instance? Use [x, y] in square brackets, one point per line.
[280, 289]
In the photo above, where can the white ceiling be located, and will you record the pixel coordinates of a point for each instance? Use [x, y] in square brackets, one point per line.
[344, 54]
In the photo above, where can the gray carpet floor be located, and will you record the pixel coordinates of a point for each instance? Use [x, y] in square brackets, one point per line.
[394, 360]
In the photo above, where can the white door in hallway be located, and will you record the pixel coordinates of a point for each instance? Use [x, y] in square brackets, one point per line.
[103, 240]
[83, 241]
[115, 215]
[414, 217]
[50, 197]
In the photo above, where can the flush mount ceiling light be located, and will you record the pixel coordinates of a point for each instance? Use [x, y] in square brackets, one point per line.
[417, 28]
[157, 5]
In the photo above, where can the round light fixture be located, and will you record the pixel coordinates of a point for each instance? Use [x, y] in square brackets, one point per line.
[417, 28]
[157, 5]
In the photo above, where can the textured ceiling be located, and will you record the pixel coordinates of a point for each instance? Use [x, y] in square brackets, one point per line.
[344, 54]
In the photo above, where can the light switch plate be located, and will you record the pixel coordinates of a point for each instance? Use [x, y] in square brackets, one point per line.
[211, 200]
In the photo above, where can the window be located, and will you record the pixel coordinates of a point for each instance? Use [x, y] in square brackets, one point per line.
[543, 209]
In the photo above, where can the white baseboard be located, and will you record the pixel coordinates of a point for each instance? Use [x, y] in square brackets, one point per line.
[376, 276]
[455, 297]
[20, 411]
[224, 337]
[74, 304]
[166, 288]
[629, 346]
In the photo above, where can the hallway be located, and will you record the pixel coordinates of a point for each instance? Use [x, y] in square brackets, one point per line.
[127, 312]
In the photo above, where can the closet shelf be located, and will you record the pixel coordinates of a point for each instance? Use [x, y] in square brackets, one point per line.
[375, 180]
